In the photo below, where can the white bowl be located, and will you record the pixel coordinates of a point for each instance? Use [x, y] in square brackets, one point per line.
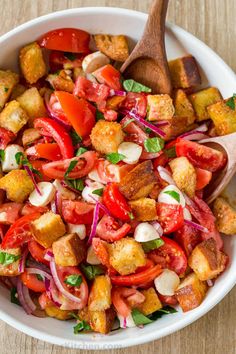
[179, 42]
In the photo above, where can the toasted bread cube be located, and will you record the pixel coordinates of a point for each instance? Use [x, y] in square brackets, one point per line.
[61, 81]
[55, 312]
[204, 98]
[100, 294]
[8, 80]
[177, 126]
[191, 292]
[17, 184]
[33, 104]
[184, 72]
[206, 260]
[183, 107]
[102, 321]
[144, 209]
[160, 107]
[151, 302]
[17, 91]
[126, 255]
[83, 314]
[29, 136]
[107, 136]
[225, 216]
[32, 64]
[223, 117]
[139, 182]
[13, 117]
[11, 270]
[48, 228]
[184, 175]
[69, 250]
[115, 47]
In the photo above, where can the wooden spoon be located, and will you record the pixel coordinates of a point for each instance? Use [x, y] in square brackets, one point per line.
[226, 144]
[147, 63]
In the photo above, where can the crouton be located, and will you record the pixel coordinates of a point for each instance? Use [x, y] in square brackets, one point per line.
[139, 182]
[107, 136]
[83, 314]
[115, 47]
[13, 117]
[61, 81]
[17, 91]
[55, 312]
[33, 104]
[151, 302]
[183, 107]
[225, 216]
[17, 184]
[204, 98]
[29, 136]
[184, 175]
[160, 107]
[32, 64]
[126, 255]
[191, 292]
[184, 72]
[47, 229]
[177, 126]
[8, 80]
[206, 260]
[100, 294]
[223, 117]
[114, 102]
[69, 250]
[144, 209]
[12, 269]
[102, 321]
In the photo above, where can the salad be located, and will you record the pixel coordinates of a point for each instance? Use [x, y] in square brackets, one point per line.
[102, 186]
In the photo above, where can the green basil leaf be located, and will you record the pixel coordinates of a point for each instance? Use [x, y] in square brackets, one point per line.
[171, 152]
[115, 157]
[131, 216]
[174, 195]
[70, 56]
[2, 154]
[134, 86]
[91, 271]
[128, 122]
[139, 318]
[21, 159]
[81, 151]
[231, 102]
[152, 245]
[82, 326]
[99, 115]
[154, 144]
[14, 297]
[77, 184]
[164, 311]
[71, 167]
[39, 277]
[74, 280]
[98, 192]
[148, 130]
[8, 258]
[73, 315]
[76, 139]
[19, 156]
[6, 89]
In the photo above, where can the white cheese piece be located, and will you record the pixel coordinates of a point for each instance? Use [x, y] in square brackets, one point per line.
[94, 61]
[80, 230]
[9, 162]
[47, 191]
[145, 232]
[167, 282]
[167, 198]
[131, 151]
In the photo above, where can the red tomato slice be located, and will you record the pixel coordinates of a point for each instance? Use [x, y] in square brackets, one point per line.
[59, 60]
[170, 216]
[116, 202]
[79, 112]
[203, 178]
[125, 298]
[9, 212]
[170, 255]
[32, 282]
[66, 40]
[108, 172]
[188, 238]
[38, 165]
[37, 252]
[137, 101]
[45, 301]
[5, 137]
[101, 251]
[29, 209]
[109, 76]
[201, 156]
[85, 164]
[48, 151]
[76, 212]
[135, 133]
[168, 300]
[91, 91]
[109, 230]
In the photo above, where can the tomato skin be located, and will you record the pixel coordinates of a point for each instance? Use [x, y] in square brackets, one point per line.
[170, 255]
[203, 178]
[48, 151]
[125, 298]
[29, 209]
[12, 211]
[101, 251]
[109, 230]
[91, 91]
[170, 216]
[77, 212]
[79, 112]
[38, 165]
[109, 76]
[6, 136]
[37, 252]
[137, 101]
[116, 202]
[200, 156]
[188, 238]
[57, 61]
[45, 301]
[32, 282]
[135, 133]
[66, 40]
[168, 300]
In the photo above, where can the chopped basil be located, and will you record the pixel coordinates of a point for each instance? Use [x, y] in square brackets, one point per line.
[134, 86]
[21, 159]
[8, 258]
[73, 315]
[139, 318]
[174, 195]
[2, 154]
[14, 296]
[99, 115]
[81, 151]
[76, 139]
[131, 216]
[171, 152]
[39, 277]
[148, 130]
[91, 271]
[231, 102]
[6, 89]
[128, 122]
[164, 311]
[71, 167]
[74, 280]
[82, 326]
[152, 245]
[98, 191]
[154, 144]
[115, 157]
[77, 184]
[70, 56]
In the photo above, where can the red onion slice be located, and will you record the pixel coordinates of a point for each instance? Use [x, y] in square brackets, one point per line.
[165, 175]
[52, 291]
[210, 283]
[52, 114]
[23, 259]
[196, 134]
[124, 323]
[196, 226]
[27, 306]
[30, 173]
[53, 207]
[106, 211]
[39, 272]
[157, 227]
[49, 256]
[117, 93]
[95, 222]
[65, 185]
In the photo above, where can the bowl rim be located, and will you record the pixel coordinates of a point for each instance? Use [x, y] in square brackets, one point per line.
[184, 321]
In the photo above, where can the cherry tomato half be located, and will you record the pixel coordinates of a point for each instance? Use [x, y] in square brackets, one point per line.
[10, 212]
[37, 252]
[77, 212]
[91, 91]
[109, 230]
[116, 202]
[137, 101]
[203, 178]
[188, 238]
[170, 216]
[32, 282]
[109, 76]
[5, 137]
[48, 151]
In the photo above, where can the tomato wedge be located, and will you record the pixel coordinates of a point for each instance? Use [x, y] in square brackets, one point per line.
[9, 212]
[188, 238]
[109, 76]
[79, 112]
[170, 255]
[137, 101]
[200, 156]
[101, 251]
[77, 212]
[66, 40]
[170, 216]
[59, 60]
[37, 252]
[125, 298]
[135, 133]
[203, 178]
[57, 169]
[109, 230]
[38, 165]
[5, 137]
[32, 282]
[48, 151]
[91, 91]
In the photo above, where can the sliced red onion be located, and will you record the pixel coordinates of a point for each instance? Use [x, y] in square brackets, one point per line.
[52, 114]
[157, 227]
[133, 114]
[162, 123]
[95, 222]
[52, 291]
[28, 299]
[53, 207]
[33, 264]
[30, 173]
[165, 175]
[187, 199]
[125, 323]
[58, 202]
[117, 93]
[196, 134]
[88, 182]
[60, 286]
[106, 211]
[27, 305]
[210, 282]
[39, 272]
[49, 256]
[196, 226]
[23, 259]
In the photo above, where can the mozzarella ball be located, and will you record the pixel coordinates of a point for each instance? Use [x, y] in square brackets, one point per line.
[167, 282]
[167, 197]
[131, 151]
[47, 192]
